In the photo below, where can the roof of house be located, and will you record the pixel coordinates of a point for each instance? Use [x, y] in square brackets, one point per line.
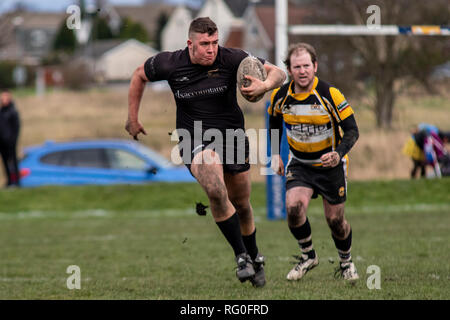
[238, 7]
[15, 45]
[99, 47]
[44, 20]
[28, 20]
[266, 15]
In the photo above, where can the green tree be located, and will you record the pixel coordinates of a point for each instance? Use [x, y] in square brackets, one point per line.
[101, 29]
[6, 74]
[65, 39]
[130, 29]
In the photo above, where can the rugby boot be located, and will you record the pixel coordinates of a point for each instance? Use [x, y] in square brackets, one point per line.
[245, 268]
[259, 279]
[347, 270]
[305, 263]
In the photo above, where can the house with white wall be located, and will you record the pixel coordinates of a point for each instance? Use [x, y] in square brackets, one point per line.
[226, 14]
[116, 60]
[175, 32]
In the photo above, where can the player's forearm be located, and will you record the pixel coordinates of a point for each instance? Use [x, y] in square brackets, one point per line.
[275, 127]
[351, 134]
[275, 78]
[137, 86]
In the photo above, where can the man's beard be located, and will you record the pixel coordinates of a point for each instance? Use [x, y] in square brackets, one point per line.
[307, 85]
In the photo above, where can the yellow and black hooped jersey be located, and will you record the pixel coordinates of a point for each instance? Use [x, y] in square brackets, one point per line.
[311, 119]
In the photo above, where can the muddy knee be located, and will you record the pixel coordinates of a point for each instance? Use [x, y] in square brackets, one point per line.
[296, 214]
[338, 226]
[244, 209]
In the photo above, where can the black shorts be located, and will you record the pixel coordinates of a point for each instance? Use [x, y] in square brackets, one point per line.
[330, 183]
[233, 153]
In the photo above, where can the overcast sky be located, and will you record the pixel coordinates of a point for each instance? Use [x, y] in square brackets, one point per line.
[61, 5]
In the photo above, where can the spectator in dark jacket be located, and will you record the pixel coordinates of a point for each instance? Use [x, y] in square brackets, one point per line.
[9, 133]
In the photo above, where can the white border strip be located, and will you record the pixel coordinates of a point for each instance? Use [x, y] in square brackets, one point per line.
[100, 213]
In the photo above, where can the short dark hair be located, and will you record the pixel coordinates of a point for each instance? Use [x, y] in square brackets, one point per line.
[202, 25]
[293, 48]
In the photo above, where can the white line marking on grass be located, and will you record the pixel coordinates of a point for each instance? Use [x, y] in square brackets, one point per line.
[395, 208]
[401, 208]
[102, 213]
[95, 213]
[108, 237]
[37, 214]
[22, 279]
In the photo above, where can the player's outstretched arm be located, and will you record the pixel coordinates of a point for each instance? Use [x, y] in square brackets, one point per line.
[137, 86]
[275, 78]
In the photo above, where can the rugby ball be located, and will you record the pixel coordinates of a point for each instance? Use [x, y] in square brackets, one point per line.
[253, 67]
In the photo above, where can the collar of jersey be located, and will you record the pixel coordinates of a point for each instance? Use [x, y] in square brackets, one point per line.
[303, 95]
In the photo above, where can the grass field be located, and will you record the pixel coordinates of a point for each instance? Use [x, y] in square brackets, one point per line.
[146, 242]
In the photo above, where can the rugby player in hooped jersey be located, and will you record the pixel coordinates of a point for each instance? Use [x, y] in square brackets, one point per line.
[314, 113]
[202, 78]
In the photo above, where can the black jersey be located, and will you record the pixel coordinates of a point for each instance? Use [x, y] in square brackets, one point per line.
[202, 93]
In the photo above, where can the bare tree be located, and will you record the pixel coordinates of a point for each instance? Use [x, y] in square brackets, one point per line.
[388, 58]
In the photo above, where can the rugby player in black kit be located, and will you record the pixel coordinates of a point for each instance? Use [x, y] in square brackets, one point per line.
[202, 78]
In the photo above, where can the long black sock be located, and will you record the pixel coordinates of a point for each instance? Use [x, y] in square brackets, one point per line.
[303, 236]
[231, 229]
[250, 244]
[344, 247]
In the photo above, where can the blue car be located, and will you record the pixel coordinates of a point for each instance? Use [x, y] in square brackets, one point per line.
[97, 162]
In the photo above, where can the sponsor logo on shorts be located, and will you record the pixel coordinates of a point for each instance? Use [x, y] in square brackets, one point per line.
[289, 176]
[341, 191]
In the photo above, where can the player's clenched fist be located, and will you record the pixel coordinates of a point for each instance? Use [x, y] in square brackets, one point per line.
[330, 159]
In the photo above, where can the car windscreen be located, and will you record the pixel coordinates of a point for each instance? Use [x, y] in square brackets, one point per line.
[124, 160]
[87, 158]
[158, 159]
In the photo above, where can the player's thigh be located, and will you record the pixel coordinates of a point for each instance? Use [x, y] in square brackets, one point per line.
[207, 169]
[333, 211]
[298, 195]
